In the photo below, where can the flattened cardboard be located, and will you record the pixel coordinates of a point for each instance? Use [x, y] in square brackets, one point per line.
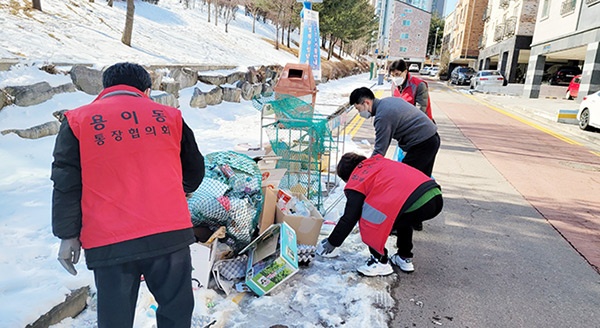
[272, 258]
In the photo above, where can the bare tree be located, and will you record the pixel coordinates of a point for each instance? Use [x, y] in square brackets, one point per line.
[230, 8]
[37, 4]
[126, 39]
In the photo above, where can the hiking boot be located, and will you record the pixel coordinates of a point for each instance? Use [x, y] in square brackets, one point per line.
[418, 226]
[405, 264]
[375, 268]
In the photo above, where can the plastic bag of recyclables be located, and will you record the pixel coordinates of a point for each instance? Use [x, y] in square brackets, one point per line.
[230, 196]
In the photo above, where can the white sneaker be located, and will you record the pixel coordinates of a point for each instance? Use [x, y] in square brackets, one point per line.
[374, 268]
[405, 265]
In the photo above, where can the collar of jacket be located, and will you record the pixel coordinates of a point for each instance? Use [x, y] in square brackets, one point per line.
[120, 90]
[374, 107]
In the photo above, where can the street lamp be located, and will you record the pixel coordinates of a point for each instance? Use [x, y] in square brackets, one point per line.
[435, 43]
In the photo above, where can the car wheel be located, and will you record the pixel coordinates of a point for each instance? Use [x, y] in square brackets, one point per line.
[568, 95]
[553, 82]
[584, 120]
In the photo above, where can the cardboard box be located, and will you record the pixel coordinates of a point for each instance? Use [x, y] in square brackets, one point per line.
[267, 215]
[307, 228]
[203, 257]
[272, 259]
[272, 177]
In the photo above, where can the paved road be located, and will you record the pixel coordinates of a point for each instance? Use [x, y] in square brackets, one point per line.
[492, 258]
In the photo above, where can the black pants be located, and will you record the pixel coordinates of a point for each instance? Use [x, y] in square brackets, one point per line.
[422, 156]
[169, 279]
[404, 230]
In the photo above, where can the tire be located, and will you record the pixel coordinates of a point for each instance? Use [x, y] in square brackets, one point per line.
[584, 120]
[553, 82]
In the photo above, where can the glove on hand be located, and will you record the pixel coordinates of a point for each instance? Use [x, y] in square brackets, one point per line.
[325, 249]
[68, 254]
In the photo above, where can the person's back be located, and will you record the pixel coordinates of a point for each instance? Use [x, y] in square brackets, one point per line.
[396, 118]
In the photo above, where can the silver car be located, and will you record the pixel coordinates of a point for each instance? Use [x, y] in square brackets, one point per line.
[487, 78]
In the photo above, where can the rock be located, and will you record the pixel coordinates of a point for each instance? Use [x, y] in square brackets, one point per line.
[214, 96]
[267, 90]
[257, 88]
[60, 114]
[5, 99]
[185, 77]
[198, 99]
[212, 79]
[232, 94]
[166, 99]
[233, 78]
[36, 132]
[156, 80]
[252, 75]
[86, 79]
[170, 87]
[30, 95]
[246, 89]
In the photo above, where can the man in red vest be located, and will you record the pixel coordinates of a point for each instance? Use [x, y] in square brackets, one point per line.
[409, 87]
[122, 167]
[383, 195]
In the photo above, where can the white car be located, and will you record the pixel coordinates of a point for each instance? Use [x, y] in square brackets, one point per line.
[487, 78]
[434, 71]
[425, 70]
[589, 112]
[413, 68]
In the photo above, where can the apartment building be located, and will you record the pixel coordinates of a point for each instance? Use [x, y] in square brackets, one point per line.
[409, 32]
[567, 32]
[463, 29]
[507, 34]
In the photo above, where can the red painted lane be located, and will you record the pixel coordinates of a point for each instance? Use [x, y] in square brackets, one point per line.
[561, 180]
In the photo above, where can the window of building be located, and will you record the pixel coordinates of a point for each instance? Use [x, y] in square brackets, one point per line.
[404, 36]
[420, 22]
[403, 49]
[408, 10]
[545, 8]
[406, 22]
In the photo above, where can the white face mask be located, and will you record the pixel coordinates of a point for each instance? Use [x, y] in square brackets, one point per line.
[365, 114]
[399, 80]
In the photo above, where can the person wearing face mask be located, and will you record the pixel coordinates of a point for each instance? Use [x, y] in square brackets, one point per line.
[409, 87]
[396, 118]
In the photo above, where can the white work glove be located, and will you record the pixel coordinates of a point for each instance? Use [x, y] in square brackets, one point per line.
[325, 249]
[68, 254]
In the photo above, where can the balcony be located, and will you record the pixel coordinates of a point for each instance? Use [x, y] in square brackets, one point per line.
[504, 3]
[511, 26]
[499, 32]
[567, 7]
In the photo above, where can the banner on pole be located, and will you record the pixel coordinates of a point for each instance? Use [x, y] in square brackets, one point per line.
[310, 45]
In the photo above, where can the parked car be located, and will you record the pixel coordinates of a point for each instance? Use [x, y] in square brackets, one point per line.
[589, 112]
[413, 68]
[434, 71]
[425, 70]
[564, 75]
[573, 89]
[462, 75]
[487, 78]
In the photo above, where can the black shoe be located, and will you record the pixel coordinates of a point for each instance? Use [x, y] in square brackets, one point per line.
[418, 226]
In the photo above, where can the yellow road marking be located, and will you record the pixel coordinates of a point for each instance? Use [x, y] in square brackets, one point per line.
[350, 126]
[597, 153]
[522, 120]
[358, 125]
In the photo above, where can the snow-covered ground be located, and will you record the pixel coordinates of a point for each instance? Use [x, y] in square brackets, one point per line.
[328, 293]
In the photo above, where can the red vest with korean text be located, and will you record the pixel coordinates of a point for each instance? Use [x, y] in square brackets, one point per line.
[409, 93]
[130, 167]
[387, 185]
